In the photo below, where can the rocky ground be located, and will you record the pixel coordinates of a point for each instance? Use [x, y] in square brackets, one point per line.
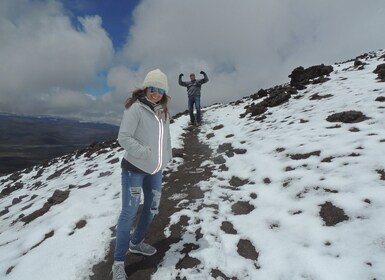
[183, 180]
[287, 161]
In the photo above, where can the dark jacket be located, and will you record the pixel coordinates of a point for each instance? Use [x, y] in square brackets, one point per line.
[194, 87]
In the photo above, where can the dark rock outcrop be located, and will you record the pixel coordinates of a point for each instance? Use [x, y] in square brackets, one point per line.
[331, 214]
[255, 109]
[247, 250]
[228, 228]
[304, 156]
[300, 77]
[274, 97]
[10, 189]
[177, 152]
[319, 97]
[347, 117]
[57, 198]
[277, 97]
[380, 71]
[242, 208]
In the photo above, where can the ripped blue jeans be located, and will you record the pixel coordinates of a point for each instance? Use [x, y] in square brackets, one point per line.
[132, 185]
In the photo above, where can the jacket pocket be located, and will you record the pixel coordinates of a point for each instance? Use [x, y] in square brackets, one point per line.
[143, 153]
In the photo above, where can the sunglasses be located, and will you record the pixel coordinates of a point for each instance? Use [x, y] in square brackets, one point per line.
[155, 89]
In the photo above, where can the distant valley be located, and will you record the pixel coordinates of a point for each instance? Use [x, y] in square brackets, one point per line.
[27, 141]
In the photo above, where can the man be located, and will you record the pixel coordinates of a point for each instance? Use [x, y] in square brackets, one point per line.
[194, 95]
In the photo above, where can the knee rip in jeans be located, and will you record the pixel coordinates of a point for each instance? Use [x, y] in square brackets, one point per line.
[155, 202]
[135, 192]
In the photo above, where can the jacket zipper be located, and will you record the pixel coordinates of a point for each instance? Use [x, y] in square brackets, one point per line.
[160, 140]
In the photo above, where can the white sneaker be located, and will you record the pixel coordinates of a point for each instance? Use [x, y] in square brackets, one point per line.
[118, 272]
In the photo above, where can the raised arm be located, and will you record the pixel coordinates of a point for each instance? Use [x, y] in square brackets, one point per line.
[181, 83]
[205, 78]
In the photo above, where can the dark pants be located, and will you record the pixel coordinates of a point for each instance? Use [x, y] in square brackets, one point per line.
[195, 100]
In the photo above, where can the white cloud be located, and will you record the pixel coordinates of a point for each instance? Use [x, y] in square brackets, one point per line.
[42, 52]
[246, 45]
[242, 45]
[122, 81]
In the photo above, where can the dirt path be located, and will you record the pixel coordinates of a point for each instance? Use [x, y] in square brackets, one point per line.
[183, 180]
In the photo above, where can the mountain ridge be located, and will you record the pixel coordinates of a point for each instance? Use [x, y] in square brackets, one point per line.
[28, 140]
[295, 192]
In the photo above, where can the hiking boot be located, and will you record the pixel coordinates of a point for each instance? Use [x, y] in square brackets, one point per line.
[142, 248]
[118, 272]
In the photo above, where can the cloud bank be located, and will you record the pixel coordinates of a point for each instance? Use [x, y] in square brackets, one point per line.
[45, 60]
[242, 45]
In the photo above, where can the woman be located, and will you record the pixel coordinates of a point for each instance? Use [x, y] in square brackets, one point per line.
[145, 136]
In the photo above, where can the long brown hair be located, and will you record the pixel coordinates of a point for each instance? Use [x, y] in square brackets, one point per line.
[141, 92]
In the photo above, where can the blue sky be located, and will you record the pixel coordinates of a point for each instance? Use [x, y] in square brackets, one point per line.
[83, 58]
[116, 15]
[116, 20]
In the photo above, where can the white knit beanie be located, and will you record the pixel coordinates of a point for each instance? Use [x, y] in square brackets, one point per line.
[156, 78]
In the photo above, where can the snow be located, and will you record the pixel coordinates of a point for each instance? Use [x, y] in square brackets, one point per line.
[285, 227]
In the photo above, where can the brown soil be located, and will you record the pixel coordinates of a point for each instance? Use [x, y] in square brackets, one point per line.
[183, 180]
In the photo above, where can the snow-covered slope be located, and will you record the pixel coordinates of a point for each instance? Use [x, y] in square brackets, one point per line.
[269, 200]
[297, 196]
